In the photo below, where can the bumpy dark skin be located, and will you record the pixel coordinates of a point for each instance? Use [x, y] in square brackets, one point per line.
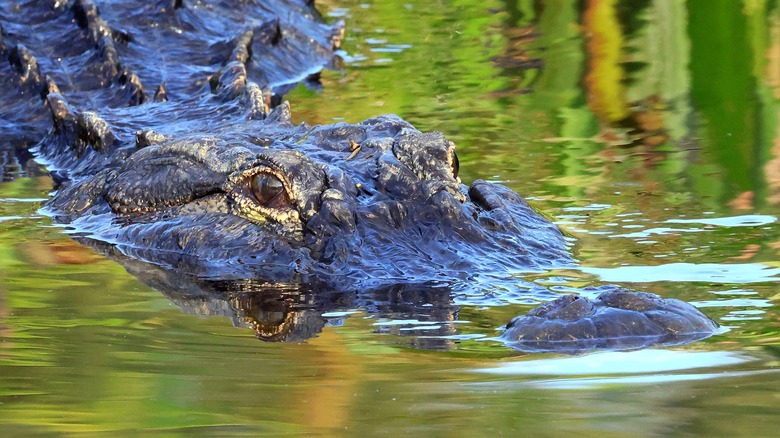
[294, 201]
[208, 176]
[617, 319]
[190, 60]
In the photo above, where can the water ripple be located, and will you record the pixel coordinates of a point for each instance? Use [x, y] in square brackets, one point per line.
[622, 362]
[706, 272]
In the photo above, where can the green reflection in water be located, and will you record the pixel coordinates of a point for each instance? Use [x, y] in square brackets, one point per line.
[632, 123]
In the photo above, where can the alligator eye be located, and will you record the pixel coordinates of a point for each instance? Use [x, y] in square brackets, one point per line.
[455, 165]
[269, 190]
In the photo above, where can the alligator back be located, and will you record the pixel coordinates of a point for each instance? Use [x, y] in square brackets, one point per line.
[110, 69]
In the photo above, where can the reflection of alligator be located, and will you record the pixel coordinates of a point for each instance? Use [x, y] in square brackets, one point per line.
[204, 178]
[295, 311]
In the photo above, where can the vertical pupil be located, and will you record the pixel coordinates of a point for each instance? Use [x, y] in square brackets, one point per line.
[266, 187]
[455, 165]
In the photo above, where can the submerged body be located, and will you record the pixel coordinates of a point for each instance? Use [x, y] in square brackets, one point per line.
[204, 178]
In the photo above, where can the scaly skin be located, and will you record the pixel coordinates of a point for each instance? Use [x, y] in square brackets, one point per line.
[617, 319]
[334, 216]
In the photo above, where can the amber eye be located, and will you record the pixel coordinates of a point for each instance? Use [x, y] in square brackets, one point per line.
[455, 165]
[269, 190]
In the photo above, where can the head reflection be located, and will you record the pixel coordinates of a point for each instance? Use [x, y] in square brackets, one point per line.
[421, 316]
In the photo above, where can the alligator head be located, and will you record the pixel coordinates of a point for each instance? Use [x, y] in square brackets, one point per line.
[374, 201]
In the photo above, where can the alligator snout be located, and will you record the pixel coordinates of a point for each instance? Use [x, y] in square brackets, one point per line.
[618, 319]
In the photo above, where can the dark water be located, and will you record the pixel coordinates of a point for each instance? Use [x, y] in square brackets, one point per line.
[648, 130]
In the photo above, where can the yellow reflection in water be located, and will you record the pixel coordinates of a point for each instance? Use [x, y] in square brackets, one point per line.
[606, 94]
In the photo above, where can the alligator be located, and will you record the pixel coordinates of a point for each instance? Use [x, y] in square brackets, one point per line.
[209, 178]
[614, 319]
